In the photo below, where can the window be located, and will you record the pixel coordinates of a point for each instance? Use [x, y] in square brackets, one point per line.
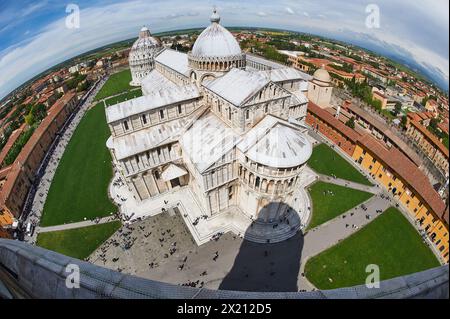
[125, 124]
[229, 114]
[374, 160]
[230, 192]
[179, 109]
[144, 119]
[137, 159]
[247, 114]
[161, 114]
[158, 151]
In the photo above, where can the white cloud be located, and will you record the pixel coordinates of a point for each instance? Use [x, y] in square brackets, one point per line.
[289, 10]
[105, 24]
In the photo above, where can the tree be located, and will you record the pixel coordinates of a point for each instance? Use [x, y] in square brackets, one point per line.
[30, 119]
[39, 112]
[351, 122]
[404, 120]
[398, 108]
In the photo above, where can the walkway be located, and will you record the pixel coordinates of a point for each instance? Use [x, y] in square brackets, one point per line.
[85, 223]
[339, 228]
[342, 182]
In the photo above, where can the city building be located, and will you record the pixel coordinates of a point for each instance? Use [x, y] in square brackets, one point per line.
[141, 56]
[22, 173]
[430, 145]
[229, 130]
[393, 170]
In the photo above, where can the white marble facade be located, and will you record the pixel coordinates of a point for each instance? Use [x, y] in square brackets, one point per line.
[142, 54]
[229, 130]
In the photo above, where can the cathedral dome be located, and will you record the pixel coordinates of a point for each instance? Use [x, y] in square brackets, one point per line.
[142, 55]
[216, 45]
[322, 75]
[216, 41]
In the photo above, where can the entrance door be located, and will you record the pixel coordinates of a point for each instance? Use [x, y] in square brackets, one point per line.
[175, 182]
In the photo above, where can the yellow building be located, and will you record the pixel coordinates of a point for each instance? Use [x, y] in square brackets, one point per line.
[409, 186]
[6, 218]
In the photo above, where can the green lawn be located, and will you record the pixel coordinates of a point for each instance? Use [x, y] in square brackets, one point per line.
[79, 188]
[80, 242]
[326, 161]
[123, 97]
[327, 206]
[390, 242]
[117, 83]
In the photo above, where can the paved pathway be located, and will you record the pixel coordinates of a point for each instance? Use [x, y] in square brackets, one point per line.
[85, 223]
[326, 235]
[342, 182]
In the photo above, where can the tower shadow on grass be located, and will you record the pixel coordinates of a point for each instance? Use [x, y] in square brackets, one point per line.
[271, 267]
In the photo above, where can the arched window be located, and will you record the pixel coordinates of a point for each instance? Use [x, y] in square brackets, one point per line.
[247, 114]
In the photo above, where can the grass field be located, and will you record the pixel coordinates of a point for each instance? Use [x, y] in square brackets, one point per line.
[117, 83]
[327, 207]
[123, 97]
[80, 242]
[79, 188]
[326, 161]
[390, 242]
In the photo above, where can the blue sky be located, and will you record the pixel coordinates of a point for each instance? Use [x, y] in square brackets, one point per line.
[34, 36]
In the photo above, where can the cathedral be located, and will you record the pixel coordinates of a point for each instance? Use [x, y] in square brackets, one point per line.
[225, 124]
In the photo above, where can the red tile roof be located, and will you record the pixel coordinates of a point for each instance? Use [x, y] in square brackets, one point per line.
[406, 169]
[431, 137]
[27, 150]
[333, 122]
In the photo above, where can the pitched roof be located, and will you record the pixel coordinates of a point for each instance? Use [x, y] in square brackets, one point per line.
[386, 131]
[175, 60]
[333, 122]
[29, 147]
[431, 137]
[403, 167]
[152, 101]
[237, 86]
[207, 140]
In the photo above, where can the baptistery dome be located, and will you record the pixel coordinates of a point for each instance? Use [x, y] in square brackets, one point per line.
[216, 49]
[142, 55]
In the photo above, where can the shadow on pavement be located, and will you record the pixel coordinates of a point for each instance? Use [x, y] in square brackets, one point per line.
[267, 267]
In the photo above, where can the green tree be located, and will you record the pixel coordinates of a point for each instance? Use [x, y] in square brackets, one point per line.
[30, 119]
[351, 122]
[404, 121]
[398, 108]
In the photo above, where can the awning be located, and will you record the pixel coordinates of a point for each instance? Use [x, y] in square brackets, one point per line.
[172, 171]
